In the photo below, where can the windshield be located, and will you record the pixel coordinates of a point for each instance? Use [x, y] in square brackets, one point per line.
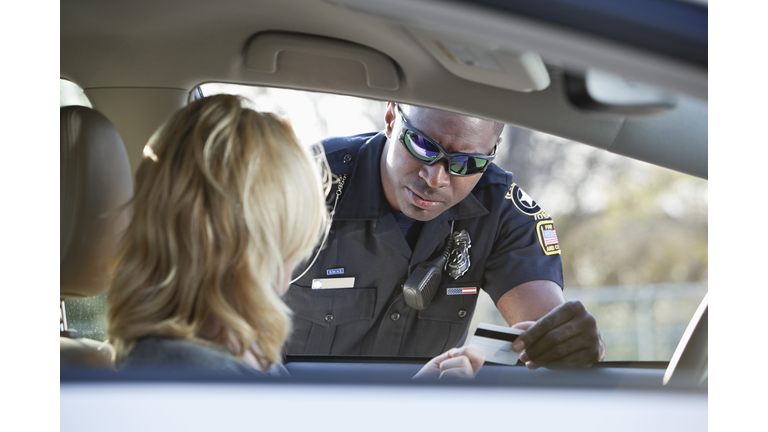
[633, 235]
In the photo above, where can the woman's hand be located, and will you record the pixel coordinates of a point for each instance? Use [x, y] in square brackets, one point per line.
[456, 363]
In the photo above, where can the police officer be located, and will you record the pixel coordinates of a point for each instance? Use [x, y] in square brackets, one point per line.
[424, 186]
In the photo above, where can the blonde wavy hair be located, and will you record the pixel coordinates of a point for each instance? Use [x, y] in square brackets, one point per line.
[226, 203]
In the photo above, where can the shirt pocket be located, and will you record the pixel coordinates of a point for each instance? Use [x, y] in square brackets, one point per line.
[318, 313]
[344, 305]
[445, 321]
[452, 308]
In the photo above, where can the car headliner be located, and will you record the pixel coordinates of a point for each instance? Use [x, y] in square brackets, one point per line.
[138, 62]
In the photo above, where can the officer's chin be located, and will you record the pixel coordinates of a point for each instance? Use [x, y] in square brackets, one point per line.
[420, 214]
[424, 208]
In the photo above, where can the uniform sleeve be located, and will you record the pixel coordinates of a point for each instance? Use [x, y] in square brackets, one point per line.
[525, 247]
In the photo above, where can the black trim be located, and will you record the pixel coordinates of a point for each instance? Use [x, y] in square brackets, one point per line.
[306, 358]
[632, 364]
[491, 334]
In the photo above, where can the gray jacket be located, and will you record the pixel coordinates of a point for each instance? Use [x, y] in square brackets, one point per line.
[169, 353]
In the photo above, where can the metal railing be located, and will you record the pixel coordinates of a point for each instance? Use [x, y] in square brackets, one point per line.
[638, 322]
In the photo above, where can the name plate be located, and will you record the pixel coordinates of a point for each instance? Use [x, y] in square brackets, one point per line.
[333, 283]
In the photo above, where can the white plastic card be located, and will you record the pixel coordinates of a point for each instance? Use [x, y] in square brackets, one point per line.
[496, 342]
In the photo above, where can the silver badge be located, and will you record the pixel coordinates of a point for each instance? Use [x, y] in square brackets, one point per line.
[458, 260]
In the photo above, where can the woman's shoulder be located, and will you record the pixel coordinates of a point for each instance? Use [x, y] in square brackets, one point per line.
[170, 353]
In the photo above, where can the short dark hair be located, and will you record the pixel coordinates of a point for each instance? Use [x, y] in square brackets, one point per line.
[498, 128]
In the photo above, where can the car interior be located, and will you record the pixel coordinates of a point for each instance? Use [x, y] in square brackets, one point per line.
[630, 79]
[96, 182]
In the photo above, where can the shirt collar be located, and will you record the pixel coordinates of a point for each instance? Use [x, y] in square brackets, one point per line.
[360, 200]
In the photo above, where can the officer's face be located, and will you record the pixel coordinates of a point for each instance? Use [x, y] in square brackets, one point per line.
[423, 192]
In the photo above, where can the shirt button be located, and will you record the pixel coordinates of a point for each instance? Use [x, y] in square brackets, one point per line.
[395, 316]
[462, 313]
[329, 318]
[347, 158]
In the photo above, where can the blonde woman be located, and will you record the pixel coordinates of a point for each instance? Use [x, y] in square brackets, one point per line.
[226, 204]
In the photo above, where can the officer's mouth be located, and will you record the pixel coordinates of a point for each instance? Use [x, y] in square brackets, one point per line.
[421, 202]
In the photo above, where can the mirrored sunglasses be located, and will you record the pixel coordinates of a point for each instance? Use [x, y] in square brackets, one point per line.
[428, 152]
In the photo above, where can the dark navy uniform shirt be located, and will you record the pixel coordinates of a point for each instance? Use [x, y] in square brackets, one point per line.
[512, 241]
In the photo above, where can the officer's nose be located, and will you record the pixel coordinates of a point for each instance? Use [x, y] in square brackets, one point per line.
[436, 175]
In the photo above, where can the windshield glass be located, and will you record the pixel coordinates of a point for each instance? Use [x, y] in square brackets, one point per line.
[633, 235]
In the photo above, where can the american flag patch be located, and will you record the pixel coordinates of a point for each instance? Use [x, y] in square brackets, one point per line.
[550, 237]
[456, 291]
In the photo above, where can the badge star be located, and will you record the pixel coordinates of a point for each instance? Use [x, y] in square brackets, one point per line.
[526, 199]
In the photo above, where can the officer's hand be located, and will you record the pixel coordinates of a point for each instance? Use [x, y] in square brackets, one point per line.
[456, 363]
[565, 337]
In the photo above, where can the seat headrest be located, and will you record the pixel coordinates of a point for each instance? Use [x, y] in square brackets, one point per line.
[96, 182]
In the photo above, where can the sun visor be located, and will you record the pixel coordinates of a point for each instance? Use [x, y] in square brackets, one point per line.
[523, 72]
[265, 49]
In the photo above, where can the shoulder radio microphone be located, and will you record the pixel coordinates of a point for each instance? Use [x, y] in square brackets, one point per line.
[423, 283]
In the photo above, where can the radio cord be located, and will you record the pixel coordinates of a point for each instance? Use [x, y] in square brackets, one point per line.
[447, 249]
[327, 228]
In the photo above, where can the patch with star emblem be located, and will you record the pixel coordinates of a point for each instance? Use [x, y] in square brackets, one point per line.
[548, 237]
[525, 203]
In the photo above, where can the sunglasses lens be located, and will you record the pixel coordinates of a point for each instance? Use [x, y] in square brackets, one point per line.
[420, 148]
[467, 165]
[424, 150]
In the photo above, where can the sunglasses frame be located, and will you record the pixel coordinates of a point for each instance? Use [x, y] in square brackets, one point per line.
[443, 154]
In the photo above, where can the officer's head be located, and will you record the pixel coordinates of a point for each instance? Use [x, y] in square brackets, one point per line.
[419, 179]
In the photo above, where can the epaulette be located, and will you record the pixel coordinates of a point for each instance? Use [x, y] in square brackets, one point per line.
[494, 175]
[341, 152]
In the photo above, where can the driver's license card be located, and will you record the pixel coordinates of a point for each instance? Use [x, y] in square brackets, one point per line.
[496, 342]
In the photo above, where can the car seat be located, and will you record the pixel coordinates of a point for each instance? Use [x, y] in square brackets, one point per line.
[96, 183]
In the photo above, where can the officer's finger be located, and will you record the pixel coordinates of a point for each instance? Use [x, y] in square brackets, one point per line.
[564, 350]
[582, 329]
[556, 317]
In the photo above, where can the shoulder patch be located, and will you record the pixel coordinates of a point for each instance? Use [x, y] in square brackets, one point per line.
[545, 230]
[525, 203]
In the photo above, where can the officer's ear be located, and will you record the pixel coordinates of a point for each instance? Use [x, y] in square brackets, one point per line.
[389, 119]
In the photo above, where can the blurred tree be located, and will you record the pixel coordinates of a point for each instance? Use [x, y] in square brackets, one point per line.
[619, 221]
